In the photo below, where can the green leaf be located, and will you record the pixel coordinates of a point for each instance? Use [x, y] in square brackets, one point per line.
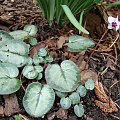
[4, 36]
[31, 29]
[52, 10]
[49, 58]
[8, 81]
[15, 52]
[36, 59]
[30, 72]
[38, 99]
[19, 34]
[39, 76]
[61, 94]
[42, 52]
[18, 117]
[78, 43]
[82, 90]
[63, 78]
[79, 110]
[30, 61]
[65, 102]
[75, 98]
[73, 19]
[38, 68]
[89, 84]
[32, 41]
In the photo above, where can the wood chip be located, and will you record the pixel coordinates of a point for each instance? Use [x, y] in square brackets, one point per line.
[11, 105]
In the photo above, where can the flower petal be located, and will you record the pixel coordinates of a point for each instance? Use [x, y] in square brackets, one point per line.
[117, 27]
[111, 19]
[110, 26]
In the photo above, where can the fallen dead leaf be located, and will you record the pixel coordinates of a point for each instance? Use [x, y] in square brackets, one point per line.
[88, 74]
[83, 65]
[62, 114]
[61, 41]
[105, 103]
[11, 105]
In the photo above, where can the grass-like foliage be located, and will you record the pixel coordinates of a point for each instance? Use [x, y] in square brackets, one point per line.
[52, 9]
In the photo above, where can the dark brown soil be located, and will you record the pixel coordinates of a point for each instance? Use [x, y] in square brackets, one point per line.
[19, 13]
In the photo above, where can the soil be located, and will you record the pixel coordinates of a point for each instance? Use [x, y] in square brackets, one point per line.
[15, 15]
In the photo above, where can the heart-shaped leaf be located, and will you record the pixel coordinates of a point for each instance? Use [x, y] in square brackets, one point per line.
[63, 78]
[75, 98]
[32, 72]
[79, 110]
[82, 90]
[19, 34]
[8, 81]
[65, 102]
[31, 29]
[4, 36]
[78, 43]
[42, 52]
[32, 41]
[89, 84]
[15, 52]
[38, 99]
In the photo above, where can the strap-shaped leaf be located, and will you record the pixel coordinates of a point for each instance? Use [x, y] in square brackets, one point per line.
[15, 52]
[8, 83]
[63, 78]
[73, 19]
[78, 43]
[38, 99]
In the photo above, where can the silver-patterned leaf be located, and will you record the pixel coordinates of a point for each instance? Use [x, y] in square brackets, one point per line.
[63, 78]
[38, 99]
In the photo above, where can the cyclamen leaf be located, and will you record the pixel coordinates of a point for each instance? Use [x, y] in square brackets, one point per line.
[19, 34]
[15, 52]
[75, 98]
[82, 91]
[78, 43]
[65, 103]
[29, 72]
[4, 36]
[31, 29]
[79, 110]
[89, 84]
[42, 52]
[63, 78]
[32, 41]
[8, 83]
[38, 99]
[61, 94]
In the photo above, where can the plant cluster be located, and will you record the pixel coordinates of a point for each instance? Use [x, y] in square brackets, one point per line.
[62, 79]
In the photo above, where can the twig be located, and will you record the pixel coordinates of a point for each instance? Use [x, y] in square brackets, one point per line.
[96, 47]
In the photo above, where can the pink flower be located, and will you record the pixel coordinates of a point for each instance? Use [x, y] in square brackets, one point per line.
[113, 23]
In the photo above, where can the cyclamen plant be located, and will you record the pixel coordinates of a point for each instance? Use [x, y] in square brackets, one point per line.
[61, 79]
